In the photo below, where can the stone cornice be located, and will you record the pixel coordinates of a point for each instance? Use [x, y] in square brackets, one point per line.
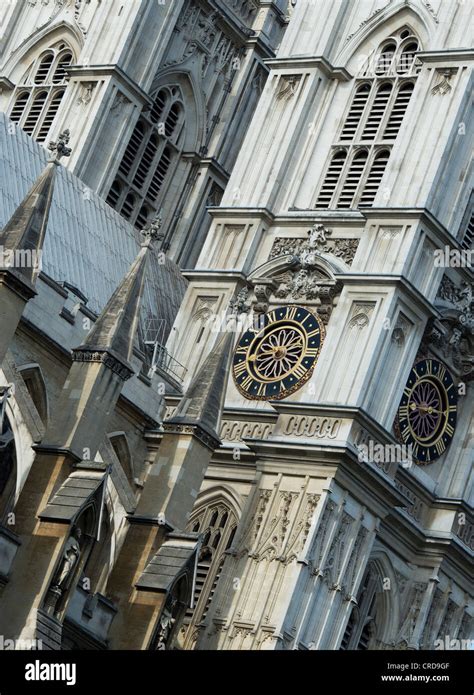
[6, 84]
[446, 56]
[91, 354]
[17, 284]
[366, 279]
[216, 275]
[96, 72]
[242, 214]
[148, 521]
[54, 450]
[210, 440]
[310, 63]
[422, 214]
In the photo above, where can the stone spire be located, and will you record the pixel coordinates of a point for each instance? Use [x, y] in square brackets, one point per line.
[203, 402]
[21, 240]
[115, 329]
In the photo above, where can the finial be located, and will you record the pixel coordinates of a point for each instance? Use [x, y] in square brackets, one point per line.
[59, 149]
[152, 231]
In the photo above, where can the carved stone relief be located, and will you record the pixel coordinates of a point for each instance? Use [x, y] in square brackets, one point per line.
[319, 239]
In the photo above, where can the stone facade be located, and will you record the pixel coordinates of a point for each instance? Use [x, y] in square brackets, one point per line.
[331, 148]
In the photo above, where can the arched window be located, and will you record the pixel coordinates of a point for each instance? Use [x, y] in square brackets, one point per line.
[155, 144]
[360, 631]
[122, 450]
[355, 113]
[217, 523]
[374, 178]
[398, 110]
[352, 180]
[37, 98]
[7, 467]
[332, 179]
[466, 232]
[34, 382]
[374, 119]
[377, 111]
[385, 58]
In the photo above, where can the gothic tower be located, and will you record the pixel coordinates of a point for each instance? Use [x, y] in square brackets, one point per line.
[346, 466]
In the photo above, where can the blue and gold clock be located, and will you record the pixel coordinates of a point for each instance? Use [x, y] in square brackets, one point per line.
[278, 359]
[428, 410]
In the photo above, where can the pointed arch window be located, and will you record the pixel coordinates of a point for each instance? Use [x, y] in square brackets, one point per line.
[360, 155]
[152, 152]
[36, 387]
[217, 525]
[38, 96]
[359, 633]
[374, 178]
[7, 468]
[466, 232]
[352, 180]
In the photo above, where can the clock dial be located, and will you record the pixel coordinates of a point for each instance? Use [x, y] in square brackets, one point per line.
[271, 363]
[428, 410]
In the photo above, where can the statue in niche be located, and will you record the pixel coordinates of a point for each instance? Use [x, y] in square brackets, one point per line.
[167, 621]
[71, 555]
[64, 574]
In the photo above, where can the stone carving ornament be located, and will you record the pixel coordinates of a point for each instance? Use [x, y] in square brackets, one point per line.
[319, 240]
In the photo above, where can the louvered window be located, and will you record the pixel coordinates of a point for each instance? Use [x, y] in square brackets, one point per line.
[114, 194]
[34, 112]
[374, 178]
[143, 217]
[60, 74]
[398, 110]
[217, 525]
[332, 179]
[160, 174]
[132, 148]
[19, 106]
[468, 240]
[406, 57]
[37, 98]
[359, 158]
[352, 180]
[152, 150]
[355, 114]
[467, 226]
[377, 112]
[128, 206]
[53, 107]
[44, 67]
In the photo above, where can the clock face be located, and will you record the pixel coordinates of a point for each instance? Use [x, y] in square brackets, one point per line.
[428, 410]
[271, 363]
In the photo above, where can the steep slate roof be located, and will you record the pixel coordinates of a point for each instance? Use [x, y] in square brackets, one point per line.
[71, 496]
[88, 244]
[173, 556]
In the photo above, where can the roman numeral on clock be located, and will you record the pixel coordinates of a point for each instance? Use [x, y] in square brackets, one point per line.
[449, 430]
[240, 368]
[440, 447]
[313, 333]
[299, 372]
[403, 412]
[247, 383]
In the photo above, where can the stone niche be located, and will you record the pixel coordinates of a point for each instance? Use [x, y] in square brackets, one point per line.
[9, 544]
